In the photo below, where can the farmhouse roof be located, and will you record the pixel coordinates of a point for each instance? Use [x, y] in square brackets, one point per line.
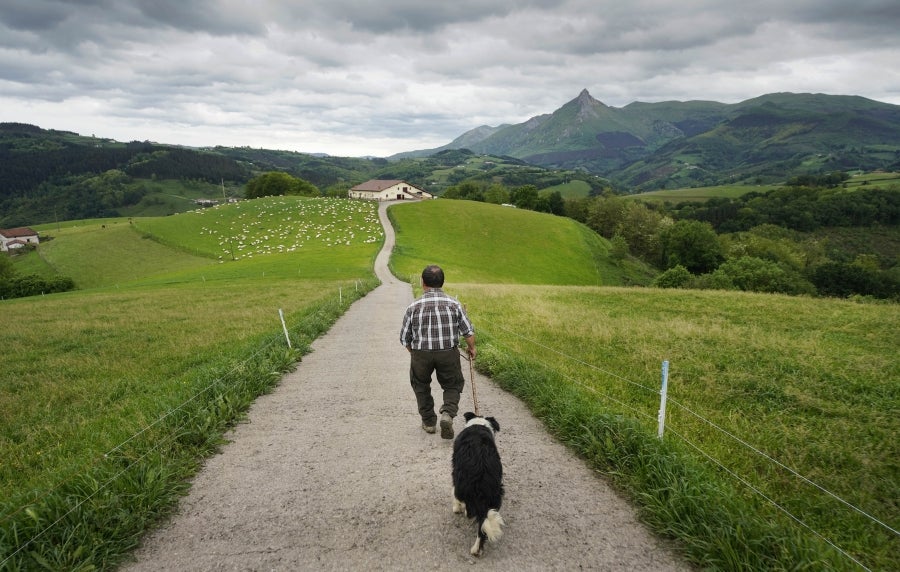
[377, 185]
[17, 232]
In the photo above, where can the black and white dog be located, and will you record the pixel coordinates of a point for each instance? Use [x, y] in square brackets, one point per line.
[478, 478]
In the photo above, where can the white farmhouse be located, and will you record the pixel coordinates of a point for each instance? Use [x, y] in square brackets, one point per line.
[13, 238]
[387, 190]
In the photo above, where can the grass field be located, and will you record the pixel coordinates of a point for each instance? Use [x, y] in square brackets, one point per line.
[817, 392]
[700, 194]
[110, 396]
[873, 180]
[573, 189]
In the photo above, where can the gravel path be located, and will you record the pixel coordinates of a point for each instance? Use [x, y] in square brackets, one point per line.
[332, 471]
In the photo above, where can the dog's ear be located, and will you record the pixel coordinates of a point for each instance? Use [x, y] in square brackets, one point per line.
[493, 423]
[468, 415]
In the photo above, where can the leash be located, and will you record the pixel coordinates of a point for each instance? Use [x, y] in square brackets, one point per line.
[472, 378]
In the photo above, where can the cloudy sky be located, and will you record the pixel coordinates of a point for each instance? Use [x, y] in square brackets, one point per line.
[376, 77]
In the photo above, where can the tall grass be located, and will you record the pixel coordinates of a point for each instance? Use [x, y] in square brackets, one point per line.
[811, 383]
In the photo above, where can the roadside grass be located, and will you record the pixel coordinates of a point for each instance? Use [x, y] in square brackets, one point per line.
[811, 383]
[484, 243]
[133, 389]
[111, 397]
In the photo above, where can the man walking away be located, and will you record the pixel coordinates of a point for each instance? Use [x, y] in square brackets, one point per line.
[432, 326]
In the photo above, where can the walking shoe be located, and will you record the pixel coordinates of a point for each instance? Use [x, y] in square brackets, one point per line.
[446, 426]
[428, 428]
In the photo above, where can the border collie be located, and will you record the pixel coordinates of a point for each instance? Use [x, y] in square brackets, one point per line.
[478, 478]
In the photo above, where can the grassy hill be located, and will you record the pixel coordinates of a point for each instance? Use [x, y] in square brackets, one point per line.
[486, 243]
[176, 331]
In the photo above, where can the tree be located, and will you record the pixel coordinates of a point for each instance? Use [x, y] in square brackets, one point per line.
[467, 191]
[692, 244]
[524, 197]
[641, 228]
[496, 194]
[556, 203]
[605, 215]
[276, 183]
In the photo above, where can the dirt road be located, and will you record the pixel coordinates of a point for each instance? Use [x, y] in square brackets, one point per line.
[332, 471]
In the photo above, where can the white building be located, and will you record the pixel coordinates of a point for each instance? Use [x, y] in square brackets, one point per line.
[387, 190]
[13, 238]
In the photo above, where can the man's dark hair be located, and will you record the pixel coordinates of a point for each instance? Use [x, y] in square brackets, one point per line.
[433, 276]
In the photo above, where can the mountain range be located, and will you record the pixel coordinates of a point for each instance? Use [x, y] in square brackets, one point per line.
[676, 144]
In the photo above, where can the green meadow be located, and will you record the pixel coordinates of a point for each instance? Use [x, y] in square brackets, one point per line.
[701, 194]
[771, 397]
[111, 396]
[759, 383]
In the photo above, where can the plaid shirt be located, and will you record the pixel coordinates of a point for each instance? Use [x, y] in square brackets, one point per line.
[434, 322]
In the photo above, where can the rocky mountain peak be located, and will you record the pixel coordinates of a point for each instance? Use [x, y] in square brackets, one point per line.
[586, 100]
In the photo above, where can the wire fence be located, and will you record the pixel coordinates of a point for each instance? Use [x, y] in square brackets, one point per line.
[169, 438]
[643, 414]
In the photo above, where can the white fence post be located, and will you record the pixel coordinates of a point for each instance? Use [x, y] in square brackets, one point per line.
[663, 393]
[284, 327]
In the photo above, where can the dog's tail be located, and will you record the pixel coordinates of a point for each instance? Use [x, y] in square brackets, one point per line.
[492, 524]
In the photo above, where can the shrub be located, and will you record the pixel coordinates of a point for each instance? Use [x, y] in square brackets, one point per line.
[675, 277]
[33, 285]
[757, 275]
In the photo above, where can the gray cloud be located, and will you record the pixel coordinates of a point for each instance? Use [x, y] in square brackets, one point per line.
[357, 77]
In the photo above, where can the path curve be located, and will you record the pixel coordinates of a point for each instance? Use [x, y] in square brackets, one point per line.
[331, 471]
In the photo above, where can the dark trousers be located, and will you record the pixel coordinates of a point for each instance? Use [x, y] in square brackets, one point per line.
[446, 364]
